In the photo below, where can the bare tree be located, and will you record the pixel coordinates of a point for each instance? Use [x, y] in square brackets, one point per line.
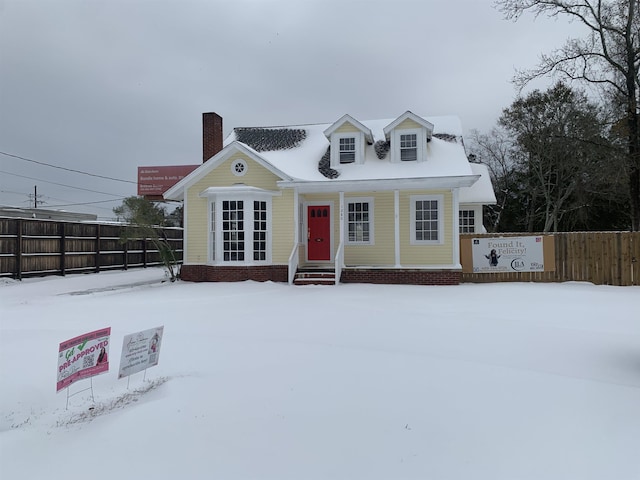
[497, 151]
[553, 165]
[608, 57]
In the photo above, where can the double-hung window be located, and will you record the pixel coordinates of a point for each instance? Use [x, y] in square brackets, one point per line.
[408, 147]
[359, 221]
[427, 219]
[347, 149]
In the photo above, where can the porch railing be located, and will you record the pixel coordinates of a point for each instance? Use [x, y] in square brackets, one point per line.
[339, 262]
[293, 263]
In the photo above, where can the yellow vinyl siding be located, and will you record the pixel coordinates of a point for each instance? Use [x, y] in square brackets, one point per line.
[282, 227]
[197, 211]
[407, 124]
[382, 252]
[256, 176]
[197, 224]
[418, 255]
[346, 127]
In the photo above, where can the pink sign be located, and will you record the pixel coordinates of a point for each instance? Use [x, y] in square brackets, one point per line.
[83, 357]
[157, 180]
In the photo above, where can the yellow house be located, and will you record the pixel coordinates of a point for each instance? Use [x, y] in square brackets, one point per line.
[352, 201]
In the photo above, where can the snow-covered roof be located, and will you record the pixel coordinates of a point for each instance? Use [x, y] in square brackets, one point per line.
[299, 155]
[445, 157]
[482, 190]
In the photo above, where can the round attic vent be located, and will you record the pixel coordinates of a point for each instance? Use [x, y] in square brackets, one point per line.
[239, 168]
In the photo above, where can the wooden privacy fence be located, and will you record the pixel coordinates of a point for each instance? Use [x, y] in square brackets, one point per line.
[43, 247]
[602, 258]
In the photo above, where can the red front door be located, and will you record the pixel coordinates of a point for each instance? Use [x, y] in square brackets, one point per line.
[318, 232]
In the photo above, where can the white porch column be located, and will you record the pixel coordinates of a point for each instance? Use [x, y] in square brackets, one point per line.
[296, 217]
[341, 242]
[396, 225]
[456, 228]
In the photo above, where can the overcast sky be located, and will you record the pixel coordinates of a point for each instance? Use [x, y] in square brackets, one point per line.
[105, 86]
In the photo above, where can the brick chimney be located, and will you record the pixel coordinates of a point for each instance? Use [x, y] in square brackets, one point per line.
[211, 135]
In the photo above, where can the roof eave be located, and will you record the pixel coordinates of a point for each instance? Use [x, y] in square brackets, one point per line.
[424, 183]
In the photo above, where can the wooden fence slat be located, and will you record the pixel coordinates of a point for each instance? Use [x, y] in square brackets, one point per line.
[45, 247]
[19, 251]
[63, 249]
[635, 258]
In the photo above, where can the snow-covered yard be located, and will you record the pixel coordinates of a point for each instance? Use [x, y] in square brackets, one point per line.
[268, 381]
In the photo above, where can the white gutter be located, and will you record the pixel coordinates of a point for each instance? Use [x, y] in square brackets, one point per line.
[380, 184]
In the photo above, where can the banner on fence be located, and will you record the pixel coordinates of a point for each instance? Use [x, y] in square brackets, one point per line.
[83, 357]
[140, 351]
[508, 254]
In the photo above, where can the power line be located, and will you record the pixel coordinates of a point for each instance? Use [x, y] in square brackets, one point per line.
[11, 191]
[88, 203]
[64, 168]
[60, 184]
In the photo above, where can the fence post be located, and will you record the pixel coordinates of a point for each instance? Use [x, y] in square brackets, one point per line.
[63, 248]
[97, 248]
[144, 252]
[19, 251]
[125, 252]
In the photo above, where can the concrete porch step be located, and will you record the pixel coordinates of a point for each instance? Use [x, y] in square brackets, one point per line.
[314, 277]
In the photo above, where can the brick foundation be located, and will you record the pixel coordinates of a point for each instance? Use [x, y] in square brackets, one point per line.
[402, 276]
[209, 273]
[279, 273]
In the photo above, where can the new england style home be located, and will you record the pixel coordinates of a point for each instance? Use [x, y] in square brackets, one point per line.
[378, 201]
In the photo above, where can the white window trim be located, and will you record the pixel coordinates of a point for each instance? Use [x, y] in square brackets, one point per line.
[420, 144]
[412, 219]
[248, 199]
[368, 200]
[463, 208]
[335, 149]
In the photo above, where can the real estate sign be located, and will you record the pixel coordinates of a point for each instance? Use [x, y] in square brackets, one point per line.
[507, 254]
[83, 357]
[140, 351]
[157, 180]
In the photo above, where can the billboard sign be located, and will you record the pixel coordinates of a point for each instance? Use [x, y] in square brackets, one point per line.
[507, 254]
[140, 351]
[157, 180]
[83, 357]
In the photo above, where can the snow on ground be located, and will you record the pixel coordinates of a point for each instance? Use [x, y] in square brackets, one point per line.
[269, 381]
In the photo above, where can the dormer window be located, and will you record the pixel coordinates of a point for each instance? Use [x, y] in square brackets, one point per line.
[408, 136]
[347, 137]
[409, 147]
[347, 149]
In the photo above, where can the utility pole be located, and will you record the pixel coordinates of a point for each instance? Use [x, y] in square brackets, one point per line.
[35, 196]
